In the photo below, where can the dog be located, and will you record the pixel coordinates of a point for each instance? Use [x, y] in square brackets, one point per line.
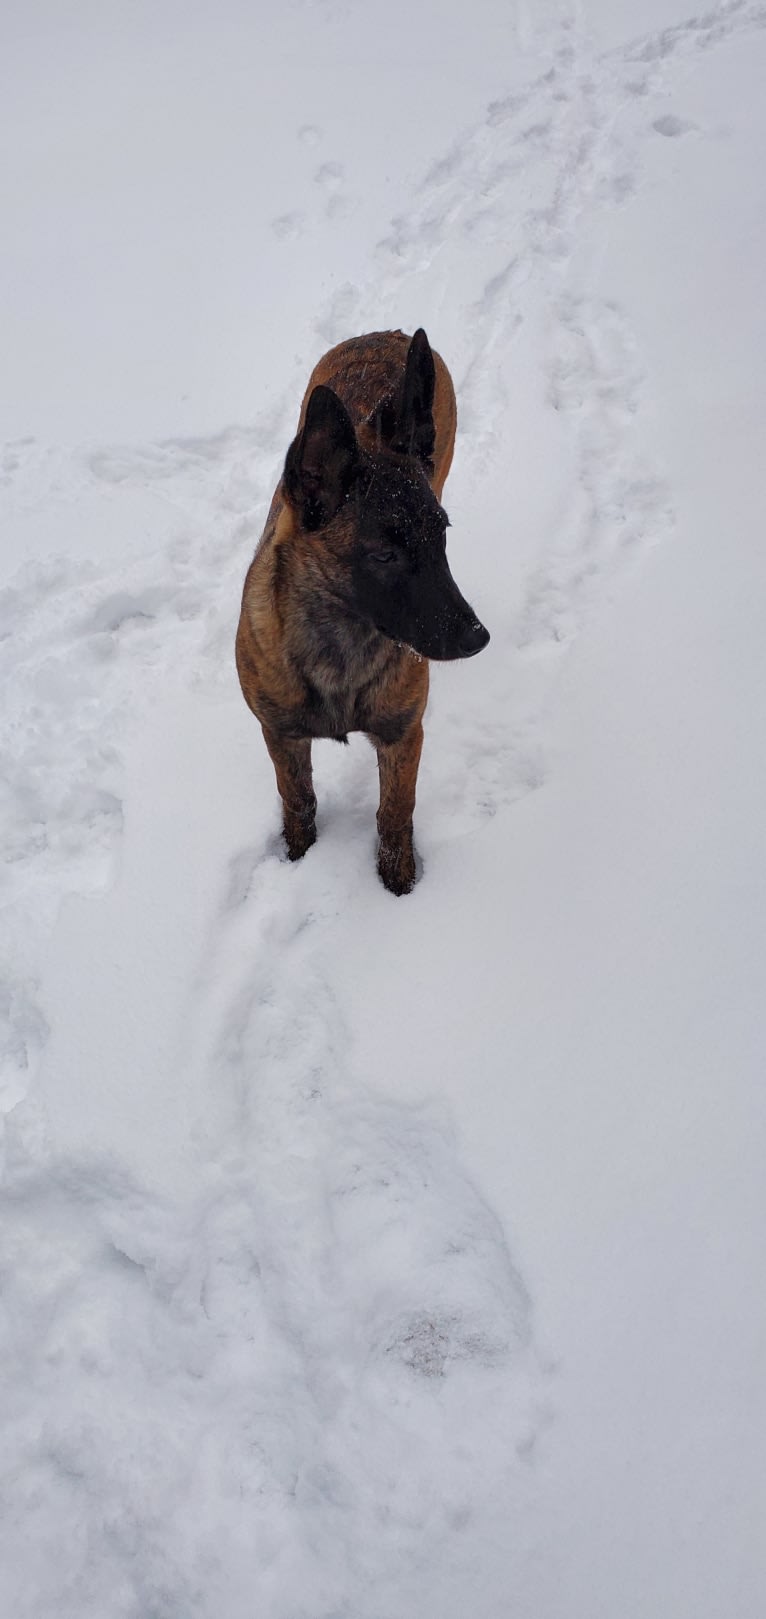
[349, 593]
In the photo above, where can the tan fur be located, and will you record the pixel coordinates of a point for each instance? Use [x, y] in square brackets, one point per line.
[363, 370]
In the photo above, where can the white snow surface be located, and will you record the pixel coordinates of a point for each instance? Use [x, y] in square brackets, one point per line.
[361, 1257]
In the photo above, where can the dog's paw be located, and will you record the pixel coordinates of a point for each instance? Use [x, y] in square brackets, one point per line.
[300, 832]
[396, 864]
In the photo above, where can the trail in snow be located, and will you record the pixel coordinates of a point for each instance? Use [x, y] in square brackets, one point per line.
[221, 1385]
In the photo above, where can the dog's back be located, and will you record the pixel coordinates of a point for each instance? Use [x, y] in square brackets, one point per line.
[366, 374]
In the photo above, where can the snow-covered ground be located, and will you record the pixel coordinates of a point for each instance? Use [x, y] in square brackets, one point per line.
[367, 1258]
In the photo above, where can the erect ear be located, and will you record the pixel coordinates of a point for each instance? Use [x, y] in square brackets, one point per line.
[405, 422]
[321, 460]
[416, 421]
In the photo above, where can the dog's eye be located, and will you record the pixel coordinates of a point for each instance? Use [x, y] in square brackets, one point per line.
[383, 556]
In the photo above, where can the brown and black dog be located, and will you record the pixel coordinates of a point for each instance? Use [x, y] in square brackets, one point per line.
[350, 592]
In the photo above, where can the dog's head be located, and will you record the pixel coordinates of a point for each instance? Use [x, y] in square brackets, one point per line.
[377, 513]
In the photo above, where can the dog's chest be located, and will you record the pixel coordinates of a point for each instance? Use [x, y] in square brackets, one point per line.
[342, 683]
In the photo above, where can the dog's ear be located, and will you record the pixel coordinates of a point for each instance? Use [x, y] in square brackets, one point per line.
[416, 420]
[405, 422]
[321, 460]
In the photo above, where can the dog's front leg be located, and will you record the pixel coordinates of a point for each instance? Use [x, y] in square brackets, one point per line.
[398, 767]
[291, 758]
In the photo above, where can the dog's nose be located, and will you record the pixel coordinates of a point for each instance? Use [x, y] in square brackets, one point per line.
[473, 638]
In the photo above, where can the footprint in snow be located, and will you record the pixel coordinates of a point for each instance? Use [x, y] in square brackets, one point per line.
[286, 227]
[672, 126]
[330, 178]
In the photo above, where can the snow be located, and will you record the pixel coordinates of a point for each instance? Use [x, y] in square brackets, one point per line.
[366, 1257]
